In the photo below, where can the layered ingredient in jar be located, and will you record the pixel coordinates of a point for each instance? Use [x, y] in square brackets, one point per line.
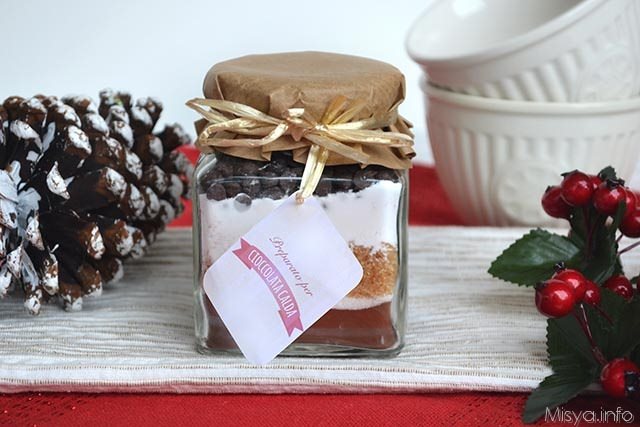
[362, 203]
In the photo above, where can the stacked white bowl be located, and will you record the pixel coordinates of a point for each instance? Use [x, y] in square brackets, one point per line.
[520, 91]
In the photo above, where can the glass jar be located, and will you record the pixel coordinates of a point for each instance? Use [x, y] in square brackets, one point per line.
[368, 206]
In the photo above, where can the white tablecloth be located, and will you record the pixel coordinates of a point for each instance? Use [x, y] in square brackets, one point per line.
[466, 331]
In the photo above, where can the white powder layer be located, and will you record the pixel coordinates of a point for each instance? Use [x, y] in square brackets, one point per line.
[161, 180]
[96, 243]
[141, 115]
[167, 212]
[176, 188]
[69, 114]
[8, 187]
[115, 182]
[71, 304]
[117, 276]
[5, 281]
[133, 163]
[136, 201]
[23, 131]
[117, 113]
[125, 245]
[361, 303]
[32, 304]
[79, 139]
[96, 122]
[35, 103]
[366, 218]
[56, 183]
[48, 136]
[153, 203]
[156, 149]
[50, 278]
[124, 130]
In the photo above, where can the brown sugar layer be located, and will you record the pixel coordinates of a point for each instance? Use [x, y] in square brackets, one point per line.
[371, 328]
[380, 266]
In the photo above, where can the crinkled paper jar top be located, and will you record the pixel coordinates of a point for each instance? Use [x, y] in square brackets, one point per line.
[275, 83]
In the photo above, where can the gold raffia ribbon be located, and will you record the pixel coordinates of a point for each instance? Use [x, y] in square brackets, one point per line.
[231, 124]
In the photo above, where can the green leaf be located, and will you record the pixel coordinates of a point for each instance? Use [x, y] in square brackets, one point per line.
[530, 259]
[554, 391]
[635, 355]
[574, 368]
[565, 339]
[620, 336]
[608, 173]
[603, 326]
[579, 228]
[600, 329]
[625, 335]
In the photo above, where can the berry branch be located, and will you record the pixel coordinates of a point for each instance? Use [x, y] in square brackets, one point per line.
[579, 280]
[629, 248]
[581, 316]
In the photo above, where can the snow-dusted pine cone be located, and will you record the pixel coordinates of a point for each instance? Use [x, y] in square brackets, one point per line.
[82, 188]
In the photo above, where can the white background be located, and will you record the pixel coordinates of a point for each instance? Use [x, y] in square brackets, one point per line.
[164, 48]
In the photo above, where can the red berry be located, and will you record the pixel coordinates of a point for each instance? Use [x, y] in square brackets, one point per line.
[554, 205]
[575, 279]
[592, 294]
[613, 376]
[595, 181]
[608, 196]
[620, 285]
[631, 201]
[630, 226]
[555, 298]
[576, 188]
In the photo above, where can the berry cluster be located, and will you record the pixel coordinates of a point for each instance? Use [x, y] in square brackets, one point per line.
[564, 294]
[568, 289]
[558, 296]
[605, 194]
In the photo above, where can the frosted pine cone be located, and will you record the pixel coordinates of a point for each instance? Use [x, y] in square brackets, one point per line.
[82, 188]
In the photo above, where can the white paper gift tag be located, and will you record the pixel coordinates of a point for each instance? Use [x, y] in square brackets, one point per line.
[280, 278]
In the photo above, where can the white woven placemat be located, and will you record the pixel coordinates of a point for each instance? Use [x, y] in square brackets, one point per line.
[466, 331]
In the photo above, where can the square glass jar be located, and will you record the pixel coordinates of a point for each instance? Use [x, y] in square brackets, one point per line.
[368, 206]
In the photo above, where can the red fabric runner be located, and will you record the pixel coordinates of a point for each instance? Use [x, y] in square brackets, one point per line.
[429, 206]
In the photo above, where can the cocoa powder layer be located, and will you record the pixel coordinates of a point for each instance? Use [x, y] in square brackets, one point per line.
[370, 328]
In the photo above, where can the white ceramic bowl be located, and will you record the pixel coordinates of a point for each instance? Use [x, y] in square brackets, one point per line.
[532, 50]
[495, 158]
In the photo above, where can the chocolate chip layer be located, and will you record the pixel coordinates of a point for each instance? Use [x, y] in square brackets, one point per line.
[231, 176]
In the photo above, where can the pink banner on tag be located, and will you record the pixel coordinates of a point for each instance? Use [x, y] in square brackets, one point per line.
[256, 260]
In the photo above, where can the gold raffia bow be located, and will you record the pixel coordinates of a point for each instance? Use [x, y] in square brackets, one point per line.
[230, 123]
